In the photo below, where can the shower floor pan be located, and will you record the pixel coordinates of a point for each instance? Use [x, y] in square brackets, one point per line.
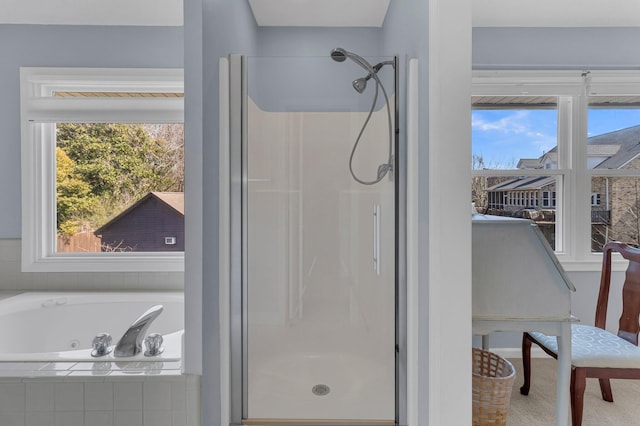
[321, 388]
[305, 422]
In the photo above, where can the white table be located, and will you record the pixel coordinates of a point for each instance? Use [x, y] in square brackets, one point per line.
[519, 285]
[560, 327]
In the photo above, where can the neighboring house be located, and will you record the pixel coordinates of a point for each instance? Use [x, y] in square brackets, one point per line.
[523, 193]
[153, 223]
[527, 197]
[615, 201]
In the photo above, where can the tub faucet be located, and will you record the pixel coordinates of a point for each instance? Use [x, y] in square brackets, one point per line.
[130, 343]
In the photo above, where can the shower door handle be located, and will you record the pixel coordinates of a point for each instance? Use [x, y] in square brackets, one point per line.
[376, 238]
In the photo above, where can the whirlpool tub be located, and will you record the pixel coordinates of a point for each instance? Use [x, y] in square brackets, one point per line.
[57, 327]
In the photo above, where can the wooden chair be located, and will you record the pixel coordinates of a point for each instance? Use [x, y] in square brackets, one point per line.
[595, 352]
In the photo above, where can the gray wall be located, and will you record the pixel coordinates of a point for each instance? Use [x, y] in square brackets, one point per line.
[560, 48]
[315, 82]
[213, 29]
[556, 48]
[65, 46]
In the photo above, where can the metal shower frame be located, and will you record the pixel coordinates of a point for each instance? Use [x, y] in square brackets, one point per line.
[238, 78]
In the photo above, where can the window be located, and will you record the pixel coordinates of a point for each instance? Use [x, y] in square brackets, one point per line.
[592, 168]
[549, 199]
[614, 167]
[102, 161]
[516, 159]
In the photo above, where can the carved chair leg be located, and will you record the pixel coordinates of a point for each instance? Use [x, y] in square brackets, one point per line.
[578, 385]
[605, 389]
[526, 363]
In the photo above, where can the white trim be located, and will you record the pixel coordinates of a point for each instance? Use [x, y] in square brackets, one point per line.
[519, 172]
[38, 107]
[413, 255]
[448, 278]
[611, 83]
[224, 244]
[162, 80]
[103, 110]
[527, 83]
[592, 263]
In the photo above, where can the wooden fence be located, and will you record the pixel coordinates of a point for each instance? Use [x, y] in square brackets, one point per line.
[82, 242]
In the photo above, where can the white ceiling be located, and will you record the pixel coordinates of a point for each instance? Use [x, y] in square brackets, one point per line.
[523, 13]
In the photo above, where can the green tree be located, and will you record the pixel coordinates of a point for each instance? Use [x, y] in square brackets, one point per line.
[73, 195]
[120, 162]
[116, 159]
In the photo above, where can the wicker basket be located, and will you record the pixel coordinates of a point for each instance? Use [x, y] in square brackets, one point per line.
[493, 378]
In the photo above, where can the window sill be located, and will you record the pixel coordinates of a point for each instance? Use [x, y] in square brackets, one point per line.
[106, 262]
[590, 265]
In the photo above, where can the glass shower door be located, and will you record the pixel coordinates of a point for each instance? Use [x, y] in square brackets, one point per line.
[320, 287]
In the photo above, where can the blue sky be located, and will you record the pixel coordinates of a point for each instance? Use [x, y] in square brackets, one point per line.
[502, 137]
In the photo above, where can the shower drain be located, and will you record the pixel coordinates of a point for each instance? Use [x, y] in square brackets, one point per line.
[320, 390]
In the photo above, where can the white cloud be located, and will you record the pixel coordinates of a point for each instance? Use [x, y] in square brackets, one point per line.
[515, 123]
[513, 133]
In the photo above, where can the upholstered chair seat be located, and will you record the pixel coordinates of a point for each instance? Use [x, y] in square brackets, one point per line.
[594, 347]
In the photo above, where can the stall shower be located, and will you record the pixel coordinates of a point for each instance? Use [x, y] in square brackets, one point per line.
[315, 223]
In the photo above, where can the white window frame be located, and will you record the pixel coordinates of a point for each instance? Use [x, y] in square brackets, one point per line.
[595, 199]
[40, 110]
[573, 88]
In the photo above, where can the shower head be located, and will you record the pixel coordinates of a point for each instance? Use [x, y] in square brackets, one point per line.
[339, 54]
[360, 84]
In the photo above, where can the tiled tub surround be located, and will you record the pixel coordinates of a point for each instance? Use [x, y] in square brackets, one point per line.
[92, 393]
[72, 370]
[73, 400]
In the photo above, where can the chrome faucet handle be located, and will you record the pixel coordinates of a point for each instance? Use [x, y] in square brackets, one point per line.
[153, 342]
[100, 344]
